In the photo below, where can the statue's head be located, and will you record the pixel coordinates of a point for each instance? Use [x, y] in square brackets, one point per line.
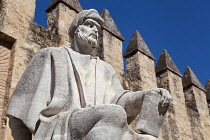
[84, 31]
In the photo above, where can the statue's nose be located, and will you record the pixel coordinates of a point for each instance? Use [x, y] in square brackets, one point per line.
[95, 30]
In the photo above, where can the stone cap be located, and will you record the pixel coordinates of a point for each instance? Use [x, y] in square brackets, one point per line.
[165, 62]
[137, 43]
[74, 4]
[110, 25]
[190, 79]
[208, 90]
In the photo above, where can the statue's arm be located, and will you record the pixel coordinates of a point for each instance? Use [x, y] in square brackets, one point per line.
[132, 101]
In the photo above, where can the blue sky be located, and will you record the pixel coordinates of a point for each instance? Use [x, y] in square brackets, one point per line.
[182, 27]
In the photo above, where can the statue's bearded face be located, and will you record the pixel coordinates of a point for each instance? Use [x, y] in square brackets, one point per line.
[88, 32]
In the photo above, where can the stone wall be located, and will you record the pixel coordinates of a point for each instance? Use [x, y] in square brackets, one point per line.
[112, 44]
[15, 21]
[21, 38]
[59, 20]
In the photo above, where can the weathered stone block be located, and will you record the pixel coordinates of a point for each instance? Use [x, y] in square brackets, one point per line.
[152, 115]
[112, 52]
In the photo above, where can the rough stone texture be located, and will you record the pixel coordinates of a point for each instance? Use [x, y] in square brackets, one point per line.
[18, 29]
[197, 108]
[208, 93]
[112, 53]
[2, 12]
[208, 90]
[152, 115]
[69, 3]
[111, 44]
[139, 65]
[5, 50]
[33, 92]
[195, 122]
[7, 44]
[137, 43]
[59, 21]
[165, 62]
[199, 113]
[16, 25]
[140, 72]
[41, 37]
[110, 25]
[140, 69]
[190, 79]
[176, 123]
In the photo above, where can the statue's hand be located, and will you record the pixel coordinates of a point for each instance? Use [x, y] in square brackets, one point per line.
[165, 95]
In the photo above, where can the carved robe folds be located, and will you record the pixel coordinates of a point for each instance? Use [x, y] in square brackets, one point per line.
[57, 82]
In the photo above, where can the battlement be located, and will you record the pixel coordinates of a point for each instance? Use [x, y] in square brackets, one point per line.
[21, 38]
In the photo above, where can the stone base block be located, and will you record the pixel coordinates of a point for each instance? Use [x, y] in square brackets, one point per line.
[152, 115]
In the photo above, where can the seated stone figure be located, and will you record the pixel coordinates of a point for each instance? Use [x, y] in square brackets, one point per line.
[70, 94]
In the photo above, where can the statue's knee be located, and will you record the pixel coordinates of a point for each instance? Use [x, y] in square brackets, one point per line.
[114, 115]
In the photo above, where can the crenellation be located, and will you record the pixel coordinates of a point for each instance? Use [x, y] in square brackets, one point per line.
[196, 104]
[111, 44]
[21, 38]
[169, 77]
[60, 16]
[73, 4]
[137, 43]
[207, 90]
[42, 36]
[208, 93]
[140, 68]
[190, 79]
[133, 74]
[110, 25]
[140, 65]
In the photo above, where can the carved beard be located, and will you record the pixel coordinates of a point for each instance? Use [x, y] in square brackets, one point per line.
[87, 39]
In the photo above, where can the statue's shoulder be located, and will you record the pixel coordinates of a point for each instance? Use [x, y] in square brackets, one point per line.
[50, 50]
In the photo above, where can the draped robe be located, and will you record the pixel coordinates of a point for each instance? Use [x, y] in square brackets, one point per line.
[57, 82]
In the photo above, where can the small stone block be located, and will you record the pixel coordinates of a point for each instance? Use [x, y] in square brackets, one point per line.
[208, 90]
[152, 115]
[137, 43]
[190, 79]
[110, 25]
[70, 3]
[165, 62]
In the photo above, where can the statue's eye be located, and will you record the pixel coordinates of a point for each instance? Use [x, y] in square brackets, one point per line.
[91, 25]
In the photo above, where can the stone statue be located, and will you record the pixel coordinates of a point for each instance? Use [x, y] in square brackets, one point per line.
[70, 94]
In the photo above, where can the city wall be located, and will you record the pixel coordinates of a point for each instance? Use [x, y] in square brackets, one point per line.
[21, 38]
